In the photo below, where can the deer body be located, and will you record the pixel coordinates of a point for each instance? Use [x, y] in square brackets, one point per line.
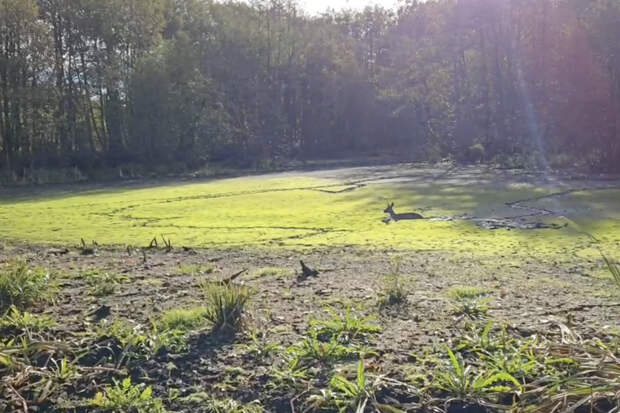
[399, 217]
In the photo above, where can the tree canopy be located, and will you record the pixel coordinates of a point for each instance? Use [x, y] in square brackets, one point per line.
[179, 83]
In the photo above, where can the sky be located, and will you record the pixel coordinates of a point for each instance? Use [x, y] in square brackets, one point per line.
[317, 6]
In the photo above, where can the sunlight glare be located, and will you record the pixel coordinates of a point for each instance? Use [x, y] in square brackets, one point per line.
[319, 6]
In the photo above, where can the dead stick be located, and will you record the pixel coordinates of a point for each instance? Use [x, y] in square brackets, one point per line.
[19, 396]
[234, 277]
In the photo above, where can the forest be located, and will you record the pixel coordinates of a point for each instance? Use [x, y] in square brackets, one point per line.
[173, 85]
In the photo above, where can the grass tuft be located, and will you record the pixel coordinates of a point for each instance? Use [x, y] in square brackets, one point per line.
[184, 319]
[25, 322]
[22, 286]
[345, 328]
[225, 305]
[467, 293]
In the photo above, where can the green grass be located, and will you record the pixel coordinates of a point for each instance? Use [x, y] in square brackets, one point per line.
[467, 293]
[299, 211]
[184, 319]
[102, 283]
[22, 286]
[25, 321]
[225, 305]
[343, 327]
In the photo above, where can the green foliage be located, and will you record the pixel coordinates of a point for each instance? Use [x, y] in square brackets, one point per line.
[353, 395]
[22, 286]
[467, 293]
[132, 339]
[499, 351]
[225, 304]
[292, 375]
[25, 321]
[196, 220]
[462, 381]
[472, 308]
[125, 397]
[184, 319]
[64, 372]
[138, 342]
[260, 345]
[102, 283]
[344, 328]
[312, 349]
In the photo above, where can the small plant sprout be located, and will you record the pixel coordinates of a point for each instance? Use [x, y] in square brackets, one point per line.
[125, 397]
[312, 349]
[64, 371]
[345, 328]
[470, 302]
[25, 321]
[462, 381]
[293, 374]
[355, 395]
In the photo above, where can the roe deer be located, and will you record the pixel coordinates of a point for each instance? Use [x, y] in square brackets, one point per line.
[398, 217]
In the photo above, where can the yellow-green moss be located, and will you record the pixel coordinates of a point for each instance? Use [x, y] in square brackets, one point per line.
[269, 212]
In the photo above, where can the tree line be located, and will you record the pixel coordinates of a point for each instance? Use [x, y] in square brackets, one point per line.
[179, 83]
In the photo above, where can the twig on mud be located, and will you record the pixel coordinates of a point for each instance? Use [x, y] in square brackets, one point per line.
[234, 277]
[294, 399]
[19, 396]
[575, 309]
